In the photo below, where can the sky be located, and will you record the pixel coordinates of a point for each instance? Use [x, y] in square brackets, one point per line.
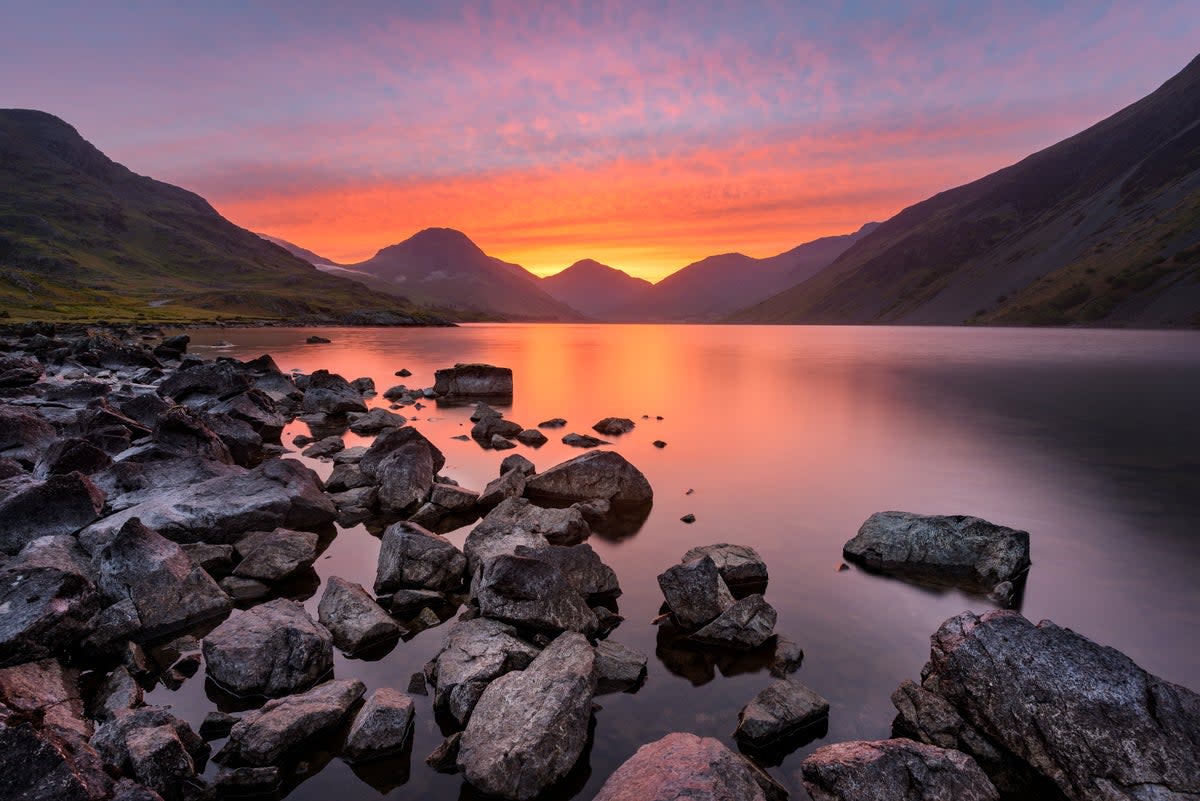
[644, 135]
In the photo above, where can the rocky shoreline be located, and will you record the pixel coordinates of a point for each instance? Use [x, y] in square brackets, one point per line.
[150, 525]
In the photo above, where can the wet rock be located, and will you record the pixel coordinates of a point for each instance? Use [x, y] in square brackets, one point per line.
[49, 597]
[257, 410]
[1067, 707]
[684, 766]
[242, 590]
[614, 426]
[618, 667]
[413, 557]
[473, 380]
[365, 385]
[509, 485]
[599, 474]
[353, 618]
[532, 594]
[417, 685]
[579, 564]
[594, 510]
[266, 377]
[44, 737]
[205, 383]
[695, 592]
[403, 372]
[329, 393]
[71, 455]
[894, 770]
[958, 550]
[739, 565]
[19, 371]
[346, 477]
[23, 434]
[490, 427]
[216, 725]
[169, 591]
[324, 448]
[475, 653]
[519, 463]
[747, 624]
[375, 421]
[155, 748]
[381, 727]
[405, 477]
[272, 649]
[529, 727]
[786, 659]
[658, 443]
[277, 555]
[317, 340]
[583, 441]
[264, 736]
[118, 692]
[60, 505]
[444, 758]
[499, 443]
[482, 410]
[553, 422]
[278, 493]
[185, 431]
[782, 708]
[398, 441]
[531, 437]
[688, 518]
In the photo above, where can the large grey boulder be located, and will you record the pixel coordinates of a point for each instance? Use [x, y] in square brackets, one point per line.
[597, 474]
[276, 555]
[529, 727]
[413, 557]
[403, 464]
[475, 653]
[353, 618]
[473, 380]
[329, 393]
[955, 549]
[683, 766]
[894, 770]
[1081, 715]
[381, 727]
[278, 493]
[264, 736]
[49, 596]
[168, 590]
[57, 506]
[580, 566]
[155, 748]
[44, 746]
[749, 623]
[782, 708]
[390, 442]
[272, 649]
[740, 565]
[532, 594]
[695, 592]
[71, 455]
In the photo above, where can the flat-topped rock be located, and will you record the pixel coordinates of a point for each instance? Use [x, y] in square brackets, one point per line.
[894, 770]
[277, 555]
[599, 474]
[473, 380]
[264, 736]
[740, 565]
[783, 707]
[532, 594]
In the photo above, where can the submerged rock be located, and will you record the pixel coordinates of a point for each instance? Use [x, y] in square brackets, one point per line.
[959, 550]
[530, 727]
[894, 770]
[531, 437]
[583, 441]
[553, 422]
[381, 727]
[473, 380]
[599, 474]
[264, 736]
[272, 649]
[782, 708]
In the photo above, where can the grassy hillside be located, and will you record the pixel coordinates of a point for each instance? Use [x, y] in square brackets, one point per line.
[83, 238]
[1100, 229]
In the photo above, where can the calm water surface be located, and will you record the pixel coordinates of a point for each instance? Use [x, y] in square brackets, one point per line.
[790, 437]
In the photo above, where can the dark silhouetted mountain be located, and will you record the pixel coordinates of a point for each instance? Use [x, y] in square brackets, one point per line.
[82, 237]
[1101, 229]
[442, 267]
[599, 291]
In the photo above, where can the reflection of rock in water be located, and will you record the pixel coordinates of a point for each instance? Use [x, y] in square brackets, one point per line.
[622, 521]
[321, 426]
[699, 663]
[773, 753]
[387, 773]
[459, 401]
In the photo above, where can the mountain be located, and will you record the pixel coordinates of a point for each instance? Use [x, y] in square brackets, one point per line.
[1102, 228]
[598, 291]
[442, 267]
[82, 237]
[301, 253]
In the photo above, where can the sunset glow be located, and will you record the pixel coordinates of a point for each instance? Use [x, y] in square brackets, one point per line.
[645, 138]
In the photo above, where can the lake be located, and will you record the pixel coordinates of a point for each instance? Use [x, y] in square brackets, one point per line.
[788, 439]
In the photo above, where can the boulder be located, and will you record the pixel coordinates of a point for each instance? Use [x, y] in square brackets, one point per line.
[383, 726]
[49, 597]
[749, 623]
[117, 693]
[695, 592]
[60, 505]
[186, 432]
[475, 653]
[532, 594]
[579, 564]
[71, 455]
[346, 477]
[618, 667]
[353, 618]
[531, 437]
[509, 485]
[256, 409]
[375, 421]
[613, 426]
[740, 565]
[473, 380]
[517, 462]
[405, 477]
[414, 557]
[19, 371]
[365, 385]
[400, 440]
[272, 649]
[243, 442]
[145, 409]
[957, 550]
[155, 748]
[684, 766]
[782, 708]
[500, 532]
[267, 378]
[1082, 716]
[277, 493]
[168, 590]
[786, 658]
[583, 441]
[264, 736]
[893, 770]
[600, 474]
[329, 393]
[324, 447]
[23, 434]
[490, 427]
[44, 744]
[277, 555]
[205, 383]
[530, 727]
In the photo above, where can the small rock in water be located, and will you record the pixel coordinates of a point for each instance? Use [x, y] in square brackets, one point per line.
[689, 492]
[553, 422]
[583, 441]
[462, 437]
[688, 518]
[499, 443]
[843, 567]
[403, 373]
[614, 426]
[658, 443]
[417, 685]
[316, 340]
[785, 706]
[659, 417]
[532, 437]
[381, 727]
